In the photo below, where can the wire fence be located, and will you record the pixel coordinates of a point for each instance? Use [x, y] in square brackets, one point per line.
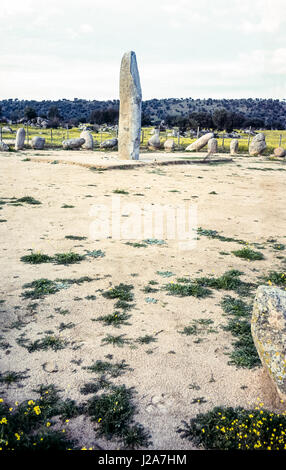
[55, 137]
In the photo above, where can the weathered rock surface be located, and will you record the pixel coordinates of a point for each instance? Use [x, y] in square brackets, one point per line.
[279, 152]
[233, 148]
[109, 143]
[169, 145]
[154, 142]
[20, 139]
[200, 143]
[71, 144]
[38, 143]
[3, 147]
[130, 108]
[257, 145]
[88, 140]
[268, 327]
[212, 146]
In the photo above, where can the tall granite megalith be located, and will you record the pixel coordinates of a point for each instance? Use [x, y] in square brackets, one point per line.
[130, 108]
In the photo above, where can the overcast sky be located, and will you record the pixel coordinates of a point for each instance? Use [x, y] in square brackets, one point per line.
[185, 48]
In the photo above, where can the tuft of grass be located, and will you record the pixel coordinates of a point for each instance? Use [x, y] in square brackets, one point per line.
[248, 253]
[244, 353]
[113, 414]
[121, 292]
[95, 253]
[189, 289]
[67, 258]
[12, 377]
[105, 367]
[48, 342]
[214, 234]
[147, 339]
[28, 200]
[75, 237]
[115, 319]
[115, 340]
[202, 325]
[276, 278]
[36, 258]
[120, 191]
[41, 287]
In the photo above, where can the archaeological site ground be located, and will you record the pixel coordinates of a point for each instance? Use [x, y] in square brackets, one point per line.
[109, 342]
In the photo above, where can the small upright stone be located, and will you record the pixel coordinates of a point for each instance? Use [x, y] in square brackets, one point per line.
[169, 145]
[279, 152]
[212, 146]
[257, 145]
[233, 148]
[38, 143]
[109, 143]
[130, 108]
[20, 138]
[3, 147]
[72, 144]
[154, 142]
[88, 140]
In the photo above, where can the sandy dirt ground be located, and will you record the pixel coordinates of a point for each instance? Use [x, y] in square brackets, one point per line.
[169, 374]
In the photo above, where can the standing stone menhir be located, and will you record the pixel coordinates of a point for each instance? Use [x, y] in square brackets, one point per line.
[20, 138]
[130, 108]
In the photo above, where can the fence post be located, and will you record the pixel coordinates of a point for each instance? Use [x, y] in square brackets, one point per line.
[27, 127]
[0, 133]
[280, 140]
[51, 137]
[142, 135]
[248, 137]
[198, 132]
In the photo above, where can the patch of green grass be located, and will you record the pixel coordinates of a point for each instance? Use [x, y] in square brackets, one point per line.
[154, 241]
[214, 234]
[29, 200]
[36, 258]
[67, 258]
[113, 414]
[148, 289]
[120, 191]
[41, 287]
[12, 377]
[276, 278]
[115, 319]
[202, 325]
[136, 244]
[75, 237]
[248, 253]
[147, 339]
[104, 367]
[121, 292]
[48, 342]
[236, 429]
[235, 307]
[187, 289]
[244, 353]
[67, 206]
[115, 340]
[95, 253]
[228, 281]
[24, 427]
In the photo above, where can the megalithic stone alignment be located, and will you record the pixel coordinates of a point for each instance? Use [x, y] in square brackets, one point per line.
[129, 109]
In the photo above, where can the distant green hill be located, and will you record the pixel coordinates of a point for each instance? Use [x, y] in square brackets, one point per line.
[266, 113]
